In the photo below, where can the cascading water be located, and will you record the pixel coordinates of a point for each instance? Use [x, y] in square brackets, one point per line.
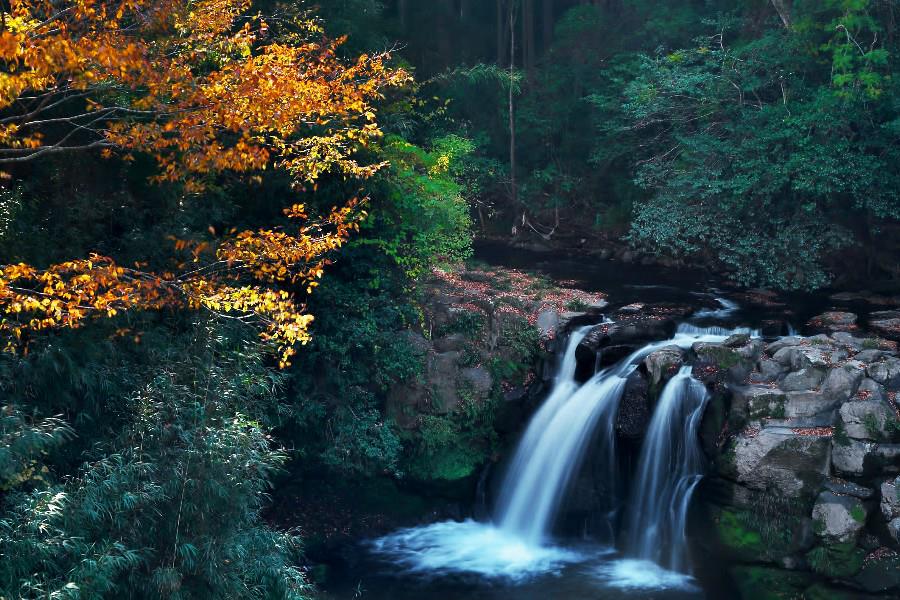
[670, 466]
[517, 544]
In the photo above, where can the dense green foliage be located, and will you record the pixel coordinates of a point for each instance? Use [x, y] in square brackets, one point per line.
[136, 455]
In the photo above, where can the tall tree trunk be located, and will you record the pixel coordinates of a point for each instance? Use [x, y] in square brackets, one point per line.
[528, 50]
[401, 13]
[548, 24]
[502, 32]
[784, 11]
[514, 190]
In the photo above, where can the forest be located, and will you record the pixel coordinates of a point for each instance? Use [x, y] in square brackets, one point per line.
[338, 299]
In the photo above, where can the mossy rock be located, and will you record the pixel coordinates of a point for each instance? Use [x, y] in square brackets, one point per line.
[838, 561]
[752, 536]
[821, 591]
[767, 583]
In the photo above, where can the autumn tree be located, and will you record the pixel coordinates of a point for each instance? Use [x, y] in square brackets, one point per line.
[203, 87]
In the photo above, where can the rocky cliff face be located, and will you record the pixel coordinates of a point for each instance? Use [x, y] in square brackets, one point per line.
[804, 438]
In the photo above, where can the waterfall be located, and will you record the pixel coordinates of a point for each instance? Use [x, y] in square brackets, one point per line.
[670, 466]
[557, 437]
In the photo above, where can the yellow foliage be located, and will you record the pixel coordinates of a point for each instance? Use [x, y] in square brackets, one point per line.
[207, 91]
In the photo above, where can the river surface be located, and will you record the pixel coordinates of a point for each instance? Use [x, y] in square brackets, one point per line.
[514, 554]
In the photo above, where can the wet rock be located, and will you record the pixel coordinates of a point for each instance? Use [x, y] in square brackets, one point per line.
[737, 340]
[634, 408]
[839, 518]
[663, 364]
[890, 499]
[778, 460]
[843, 487]
[886, 372]
[834, 321]
[804, 379]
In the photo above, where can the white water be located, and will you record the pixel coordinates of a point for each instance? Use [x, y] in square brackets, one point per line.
[518, 545]
[728, 308]
[670, 467]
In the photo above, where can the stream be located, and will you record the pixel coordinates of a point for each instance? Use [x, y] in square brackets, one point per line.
[515, 552]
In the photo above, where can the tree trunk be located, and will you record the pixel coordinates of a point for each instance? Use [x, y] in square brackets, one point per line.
[514, 191]
[528, 50]
[784, 11]
[548, 24]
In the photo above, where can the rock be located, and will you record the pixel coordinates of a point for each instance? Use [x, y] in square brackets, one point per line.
[843, 487]
[820, 356]
[869, 356]
[857, 458]
[846, 339]
[547, 321]
[880, 573]
[451, 343]
[886, 372]
[838, 518]
[634, 408]
[760, 402]
[804, 379]
[890, 499]
[785, 342]
[479, 379]
[737, 340]
[893, 528]
[804, 404]
[834, 321]
[849, 457]
[889, 328]
[663, 363]
[597, 306]
[771, 370]
[843, 381]
[441, 377]
[723, 359]
[870, 389]
[866, 419]
[776, 459]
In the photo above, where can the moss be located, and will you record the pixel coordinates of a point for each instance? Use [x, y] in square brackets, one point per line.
[738, 538]
[469, 324]
[858, 514]
[840, 435]
[836, 560]
[724, 358]
[765, 583]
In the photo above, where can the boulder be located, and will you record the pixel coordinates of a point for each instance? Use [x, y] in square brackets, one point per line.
[663, 363]
[771, 370]
[847, 340]
[856, 457]
[866, 419]
[842, 381]
[736, 340]
[479, 379]
[869, 356]
[893, 528]
[839, 518]
[886, 372]
[834, 321]
[804, 379]
[849, 457]
[776, 459]
[890, 499]
[886, 323]
[759, 402]
[785, 342]
[807, 404]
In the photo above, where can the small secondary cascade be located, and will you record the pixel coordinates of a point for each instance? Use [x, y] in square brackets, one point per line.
[669, 468]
